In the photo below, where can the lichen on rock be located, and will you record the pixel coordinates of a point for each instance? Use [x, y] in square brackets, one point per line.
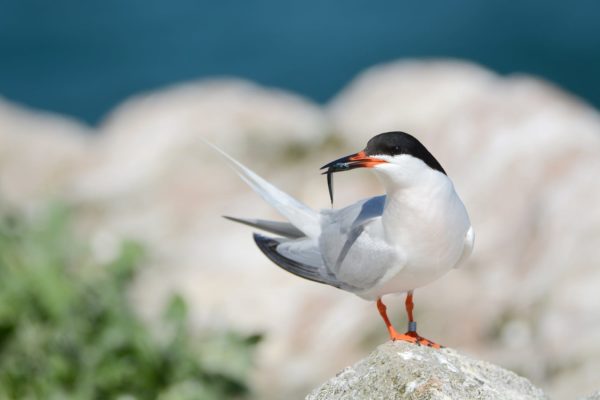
[398, 370]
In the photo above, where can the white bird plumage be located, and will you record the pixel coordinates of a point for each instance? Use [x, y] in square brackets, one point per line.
[394, 243]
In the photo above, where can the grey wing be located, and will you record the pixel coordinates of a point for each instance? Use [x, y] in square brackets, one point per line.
[350, 233]
[353, 245]
[342, 228]
[358, 213]
[301, 257]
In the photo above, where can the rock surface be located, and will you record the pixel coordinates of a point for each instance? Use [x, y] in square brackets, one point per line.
[593, 396]
[398, 370]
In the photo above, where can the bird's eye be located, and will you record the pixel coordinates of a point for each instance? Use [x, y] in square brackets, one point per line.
[397, 149]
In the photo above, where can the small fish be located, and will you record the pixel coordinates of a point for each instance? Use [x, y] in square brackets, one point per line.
[330, 184]
[332, 167]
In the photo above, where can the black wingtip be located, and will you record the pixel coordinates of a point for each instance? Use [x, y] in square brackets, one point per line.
[269, 245]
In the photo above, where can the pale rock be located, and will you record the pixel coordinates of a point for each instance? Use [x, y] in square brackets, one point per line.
[593, 396]
[160, 133]
[154, 178]
[40, 153]
[404, 371]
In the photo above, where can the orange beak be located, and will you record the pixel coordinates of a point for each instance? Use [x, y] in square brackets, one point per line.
[358, 160]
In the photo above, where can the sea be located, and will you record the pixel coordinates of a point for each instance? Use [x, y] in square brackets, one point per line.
[82, 58]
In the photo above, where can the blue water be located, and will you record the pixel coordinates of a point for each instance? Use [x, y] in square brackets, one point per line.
[83, 57]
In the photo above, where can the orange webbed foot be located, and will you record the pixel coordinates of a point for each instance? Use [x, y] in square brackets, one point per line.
[415, 338]
[421, 341]
[395, 336]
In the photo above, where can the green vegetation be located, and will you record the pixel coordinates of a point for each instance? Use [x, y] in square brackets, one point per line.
[67, 330]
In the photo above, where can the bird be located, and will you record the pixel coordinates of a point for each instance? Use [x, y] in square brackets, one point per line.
[393, 243]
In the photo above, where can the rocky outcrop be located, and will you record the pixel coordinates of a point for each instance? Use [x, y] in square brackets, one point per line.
[399, 370]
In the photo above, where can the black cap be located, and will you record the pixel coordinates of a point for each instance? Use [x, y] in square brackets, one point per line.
[394, 143]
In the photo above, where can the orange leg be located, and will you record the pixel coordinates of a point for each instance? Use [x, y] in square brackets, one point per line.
[412, 324]
[394, 335]
[411, 335]
[409, 306]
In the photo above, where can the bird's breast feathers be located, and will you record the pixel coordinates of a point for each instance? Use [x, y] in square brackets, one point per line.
[399, 250]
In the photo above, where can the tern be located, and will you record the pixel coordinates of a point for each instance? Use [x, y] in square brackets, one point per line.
[393, 243]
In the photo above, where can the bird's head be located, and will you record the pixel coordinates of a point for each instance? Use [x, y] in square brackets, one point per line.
[397, 158]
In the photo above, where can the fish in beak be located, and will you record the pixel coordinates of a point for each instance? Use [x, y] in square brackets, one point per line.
[357, 160]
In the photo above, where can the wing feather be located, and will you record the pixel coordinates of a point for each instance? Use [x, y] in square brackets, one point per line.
[316, 273]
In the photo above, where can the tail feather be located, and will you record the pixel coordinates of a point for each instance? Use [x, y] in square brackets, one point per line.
[301, 216]
[279, 228]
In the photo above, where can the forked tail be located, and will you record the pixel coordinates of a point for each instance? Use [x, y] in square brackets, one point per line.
[302, 217]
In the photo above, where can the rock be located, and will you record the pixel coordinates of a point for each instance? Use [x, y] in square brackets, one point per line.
[40, 153]
[398, 370]
[593, 396]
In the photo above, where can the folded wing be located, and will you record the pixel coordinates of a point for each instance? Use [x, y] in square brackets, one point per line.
[304, 248]
[301, 257]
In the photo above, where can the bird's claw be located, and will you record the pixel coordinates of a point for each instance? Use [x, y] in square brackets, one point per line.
[413, 337]
[421, 341]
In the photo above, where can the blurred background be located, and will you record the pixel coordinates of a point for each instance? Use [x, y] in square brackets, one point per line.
[117, 273]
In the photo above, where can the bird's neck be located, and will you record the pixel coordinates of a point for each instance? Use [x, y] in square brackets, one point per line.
[420, 183]
[414, 202]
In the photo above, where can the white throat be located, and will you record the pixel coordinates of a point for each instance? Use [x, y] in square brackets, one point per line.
[406, 172]
[418, 196]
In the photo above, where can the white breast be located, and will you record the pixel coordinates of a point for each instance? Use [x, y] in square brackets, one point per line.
[426, 225]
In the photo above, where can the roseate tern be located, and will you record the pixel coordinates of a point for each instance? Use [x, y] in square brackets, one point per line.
[394, 243]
